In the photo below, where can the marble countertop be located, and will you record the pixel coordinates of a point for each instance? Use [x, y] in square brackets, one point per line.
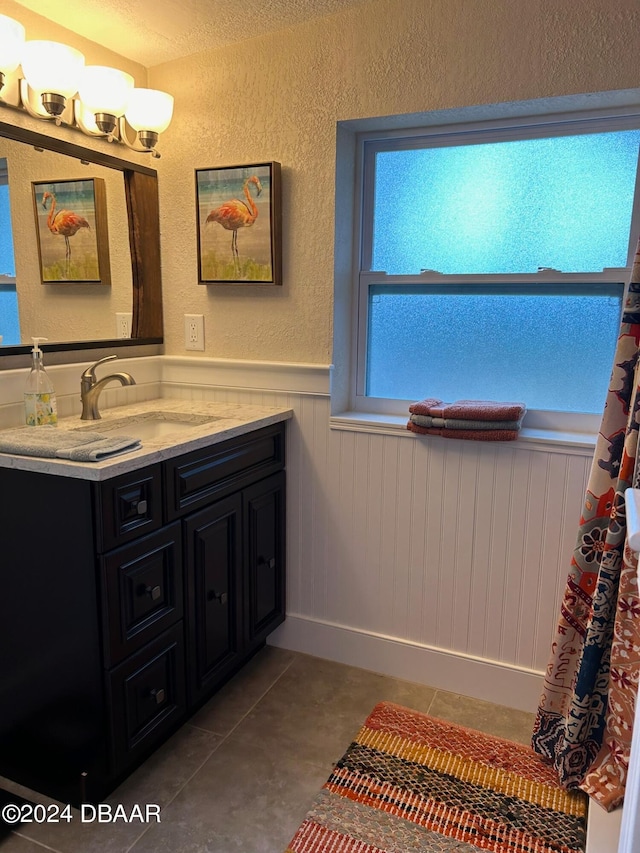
[197, 425]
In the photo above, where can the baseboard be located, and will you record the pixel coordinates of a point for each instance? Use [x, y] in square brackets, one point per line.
[492, 681]
[603, 830]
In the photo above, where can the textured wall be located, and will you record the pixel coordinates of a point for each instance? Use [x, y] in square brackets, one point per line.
[279, 97]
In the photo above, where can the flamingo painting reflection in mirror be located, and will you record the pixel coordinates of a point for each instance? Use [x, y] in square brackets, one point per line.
[63, 222]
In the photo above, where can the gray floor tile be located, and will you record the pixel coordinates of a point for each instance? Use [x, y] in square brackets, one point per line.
[222, 713]
[242, 773]
[157, 781]
[317, 707]
[246, 799]
[485, 716]
[15, 843]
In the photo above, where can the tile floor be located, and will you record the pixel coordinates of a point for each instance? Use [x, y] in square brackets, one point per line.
[241, 774]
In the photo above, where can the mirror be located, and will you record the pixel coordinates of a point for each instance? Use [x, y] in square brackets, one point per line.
[83, 314]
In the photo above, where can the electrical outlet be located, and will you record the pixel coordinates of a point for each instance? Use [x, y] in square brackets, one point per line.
[123, 325]
[194, 331]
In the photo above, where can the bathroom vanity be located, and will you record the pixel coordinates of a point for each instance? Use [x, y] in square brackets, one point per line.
[133, 588]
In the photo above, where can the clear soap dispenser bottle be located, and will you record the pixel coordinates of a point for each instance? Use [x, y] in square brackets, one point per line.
[39, 397]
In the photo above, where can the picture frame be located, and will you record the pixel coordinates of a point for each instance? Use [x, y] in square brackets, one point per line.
[72, 231]
[239, 216]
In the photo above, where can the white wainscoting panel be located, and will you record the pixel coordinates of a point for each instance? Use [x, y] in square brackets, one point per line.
[398, 543]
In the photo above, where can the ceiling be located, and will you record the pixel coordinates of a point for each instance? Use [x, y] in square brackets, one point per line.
[154, 31]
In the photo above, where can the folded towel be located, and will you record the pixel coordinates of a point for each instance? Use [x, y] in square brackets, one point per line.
[477, 410]
[96, 451]
[51, 443]
[423, 407]
[460, 423]
[467, 434]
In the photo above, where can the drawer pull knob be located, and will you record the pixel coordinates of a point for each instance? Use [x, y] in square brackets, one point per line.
[154, 592]
[141, 507]
[270, 562]
[158, 695]
[220, 597]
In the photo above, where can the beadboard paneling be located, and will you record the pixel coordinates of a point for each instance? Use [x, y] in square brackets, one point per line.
[460, 549]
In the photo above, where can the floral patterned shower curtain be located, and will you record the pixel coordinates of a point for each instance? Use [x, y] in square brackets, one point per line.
[585, 718]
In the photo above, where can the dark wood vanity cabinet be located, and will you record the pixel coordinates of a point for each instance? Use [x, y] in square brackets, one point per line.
[126, 603]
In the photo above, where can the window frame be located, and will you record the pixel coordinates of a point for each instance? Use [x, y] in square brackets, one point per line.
[369, 143]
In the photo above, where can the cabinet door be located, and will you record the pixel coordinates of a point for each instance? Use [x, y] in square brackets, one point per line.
[213, 570]
[264, 531]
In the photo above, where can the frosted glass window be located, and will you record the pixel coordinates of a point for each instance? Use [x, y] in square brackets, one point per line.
[461, 222]
[506, 207]
[529, 348]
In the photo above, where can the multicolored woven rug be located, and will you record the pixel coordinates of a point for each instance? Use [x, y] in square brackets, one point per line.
[410, 783]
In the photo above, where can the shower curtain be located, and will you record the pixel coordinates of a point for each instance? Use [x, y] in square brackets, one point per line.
[585, 717]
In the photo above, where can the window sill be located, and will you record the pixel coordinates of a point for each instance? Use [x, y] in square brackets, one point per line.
[579, 443]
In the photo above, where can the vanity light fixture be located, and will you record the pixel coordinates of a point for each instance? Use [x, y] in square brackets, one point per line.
[49, 80]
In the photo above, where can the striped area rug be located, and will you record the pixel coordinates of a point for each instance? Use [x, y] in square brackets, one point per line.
[411, 783]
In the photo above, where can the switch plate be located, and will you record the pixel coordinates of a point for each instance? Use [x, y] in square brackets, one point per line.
[123, 324]
[194, 331]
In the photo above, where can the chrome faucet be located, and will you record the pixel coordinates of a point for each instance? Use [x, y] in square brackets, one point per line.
[90, 388]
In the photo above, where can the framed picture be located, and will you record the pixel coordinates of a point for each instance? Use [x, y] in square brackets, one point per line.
[71, 229]
[239, 224]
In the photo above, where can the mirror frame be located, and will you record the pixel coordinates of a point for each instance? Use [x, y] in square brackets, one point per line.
[143, 214]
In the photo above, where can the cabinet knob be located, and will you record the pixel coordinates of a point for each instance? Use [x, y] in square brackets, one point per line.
[271, 562]
[141, 507]
[154, 592]
[220, 597]
[158, 694]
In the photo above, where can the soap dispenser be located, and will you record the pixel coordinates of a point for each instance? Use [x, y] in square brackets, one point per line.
[39, 396]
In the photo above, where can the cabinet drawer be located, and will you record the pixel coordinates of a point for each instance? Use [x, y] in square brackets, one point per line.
[128, 506]
[197, 478]
[147, 697]
[142, 587]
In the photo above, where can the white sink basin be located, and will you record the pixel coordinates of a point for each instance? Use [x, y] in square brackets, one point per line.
[152, 424]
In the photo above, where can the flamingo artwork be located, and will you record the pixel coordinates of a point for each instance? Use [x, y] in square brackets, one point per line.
[63, 222]
[235, 214]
